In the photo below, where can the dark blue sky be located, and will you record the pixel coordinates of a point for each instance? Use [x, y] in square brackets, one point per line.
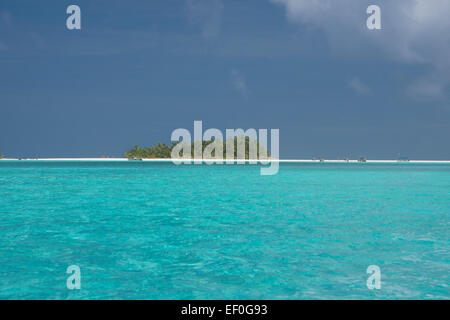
[140, 69]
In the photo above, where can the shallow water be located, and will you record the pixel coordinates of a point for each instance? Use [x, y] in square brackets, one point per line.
[160, 231]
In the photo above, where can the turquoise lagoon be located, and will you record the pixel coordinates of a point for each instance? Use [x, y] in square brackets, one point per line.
[160, 231]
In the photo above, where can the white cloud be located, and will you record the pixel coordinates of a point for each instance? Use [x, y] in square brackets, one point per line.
[413, 31]
[358, 86]
[239, 82]
[427, 88]
[6, 19]
[205, 14]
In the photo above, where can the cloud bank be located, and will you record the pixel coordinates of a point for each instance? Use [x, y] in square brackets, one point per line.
[413, 31]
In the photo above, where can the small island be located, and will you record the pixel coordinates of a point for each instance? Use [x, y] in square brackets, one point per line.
[163, 151]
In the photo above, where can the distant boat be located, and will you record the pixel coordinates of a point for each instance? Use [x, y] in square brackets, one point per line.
[362, 159]
[403, 159]
[134, 159]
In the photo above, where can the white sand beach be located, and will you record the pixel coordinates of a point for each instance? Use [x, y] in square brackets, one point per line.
[226, 161]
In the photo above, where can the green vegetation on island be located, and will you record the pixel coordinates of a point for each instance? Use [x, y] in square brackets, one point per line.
[1, 155]
[160, 150]
[163, 151]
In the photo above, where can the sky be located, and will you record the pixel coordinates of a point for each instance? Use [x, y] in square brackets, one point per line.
[137, 70]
